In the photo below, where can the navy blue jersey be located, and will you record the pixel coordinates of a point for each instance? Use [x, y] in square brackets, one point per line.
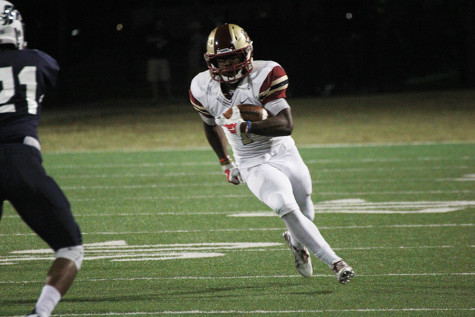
[24, 77]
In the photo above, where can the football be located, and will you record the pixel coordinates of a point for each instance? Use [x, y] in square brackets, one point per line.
[249, 112]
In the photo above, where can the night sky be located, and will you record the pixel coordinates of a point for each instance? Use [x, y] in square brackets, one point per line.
[327, 47]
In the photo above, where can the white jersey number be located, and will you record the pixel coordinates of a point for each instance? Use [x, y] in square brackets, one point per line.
[27, 78]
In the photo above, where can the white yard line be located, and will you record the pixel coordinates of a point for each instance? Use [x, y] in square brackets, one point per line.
[347, 206]
[121, 251]
[220, 183]
[381, 144]
[140, 164]
[273, 312]
[335, 193]
[245, 277]
[303, 146]
[260, 229]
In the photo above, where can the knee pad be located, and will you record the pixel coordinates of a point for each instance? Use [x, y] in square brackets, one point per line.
[307, 208]
[281, 204]
[75, 254]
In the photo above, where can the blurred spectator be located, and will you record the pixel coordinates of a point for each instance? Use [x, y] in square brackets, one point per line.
[158, 65]
[196, 50]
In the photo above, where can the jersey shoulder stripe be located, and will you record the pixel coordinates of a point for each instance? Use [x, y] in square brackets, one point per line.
[198, 107]
[278, 85]
[275, 83]
[197, 92]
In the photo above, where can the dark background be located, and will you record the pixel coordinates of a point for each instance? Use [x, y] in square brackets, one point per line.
[328, 47]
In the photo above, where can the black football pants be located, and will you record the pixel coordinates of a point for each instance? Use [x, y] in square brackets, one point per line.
[37, 198]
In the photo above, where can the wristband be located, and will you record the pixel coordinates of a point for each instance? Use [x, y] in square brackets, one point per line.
[248, 127]
[226, 160]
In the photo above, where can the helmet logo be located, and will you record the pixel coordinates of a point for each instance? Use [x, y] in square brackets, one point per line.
[246, 37]
[7, 16]
[223, 50]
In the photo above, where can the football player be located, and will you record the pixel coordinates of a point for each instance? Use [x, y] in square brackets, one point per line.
[267, 159]
[24, 76]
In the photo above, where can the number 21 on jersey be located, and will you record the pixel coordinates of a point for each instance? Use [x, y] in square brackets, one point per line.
[27, 78]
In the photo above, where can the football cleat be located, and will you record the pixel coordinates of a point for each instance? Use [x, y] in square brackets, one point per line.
[303, 263]
[343, 271]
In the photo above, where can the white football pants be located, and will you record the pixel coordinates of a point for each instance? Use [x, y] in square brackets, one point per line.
[284, 184]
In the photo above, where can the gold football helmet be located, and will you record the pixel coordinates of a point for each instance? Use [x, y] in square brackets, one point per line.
[229, 41]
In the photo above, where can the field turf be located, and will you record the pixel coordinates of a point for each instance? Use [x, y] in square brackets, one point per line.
[165, 235]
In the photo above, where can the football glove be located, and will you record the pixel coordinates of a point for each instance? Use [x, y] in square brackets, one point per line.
[233, 123]
[232, 173]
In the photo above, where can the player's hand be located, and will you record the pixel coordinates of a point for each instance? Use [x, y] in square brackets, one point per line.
[232, 123]
[232, 173]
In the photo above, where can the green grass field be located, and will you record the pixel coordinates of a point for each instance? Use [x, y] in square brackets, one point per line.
[131, 125]
[166, 235]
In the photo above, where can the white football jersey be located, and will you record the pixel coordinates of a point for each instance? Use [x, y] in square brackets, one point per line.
[265, 86]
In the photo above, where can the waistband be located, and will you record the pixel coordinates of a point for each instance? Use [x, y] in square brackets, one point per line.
[27, 140]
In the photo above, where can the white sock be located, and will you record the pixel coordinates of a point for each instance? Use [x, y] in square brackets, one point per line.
[294, 242]
[304, 231]
[48, 300]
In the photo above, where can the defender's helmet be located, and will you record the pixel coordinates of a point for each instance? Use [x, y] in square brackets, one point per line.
[225, 41]
[11, 26]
